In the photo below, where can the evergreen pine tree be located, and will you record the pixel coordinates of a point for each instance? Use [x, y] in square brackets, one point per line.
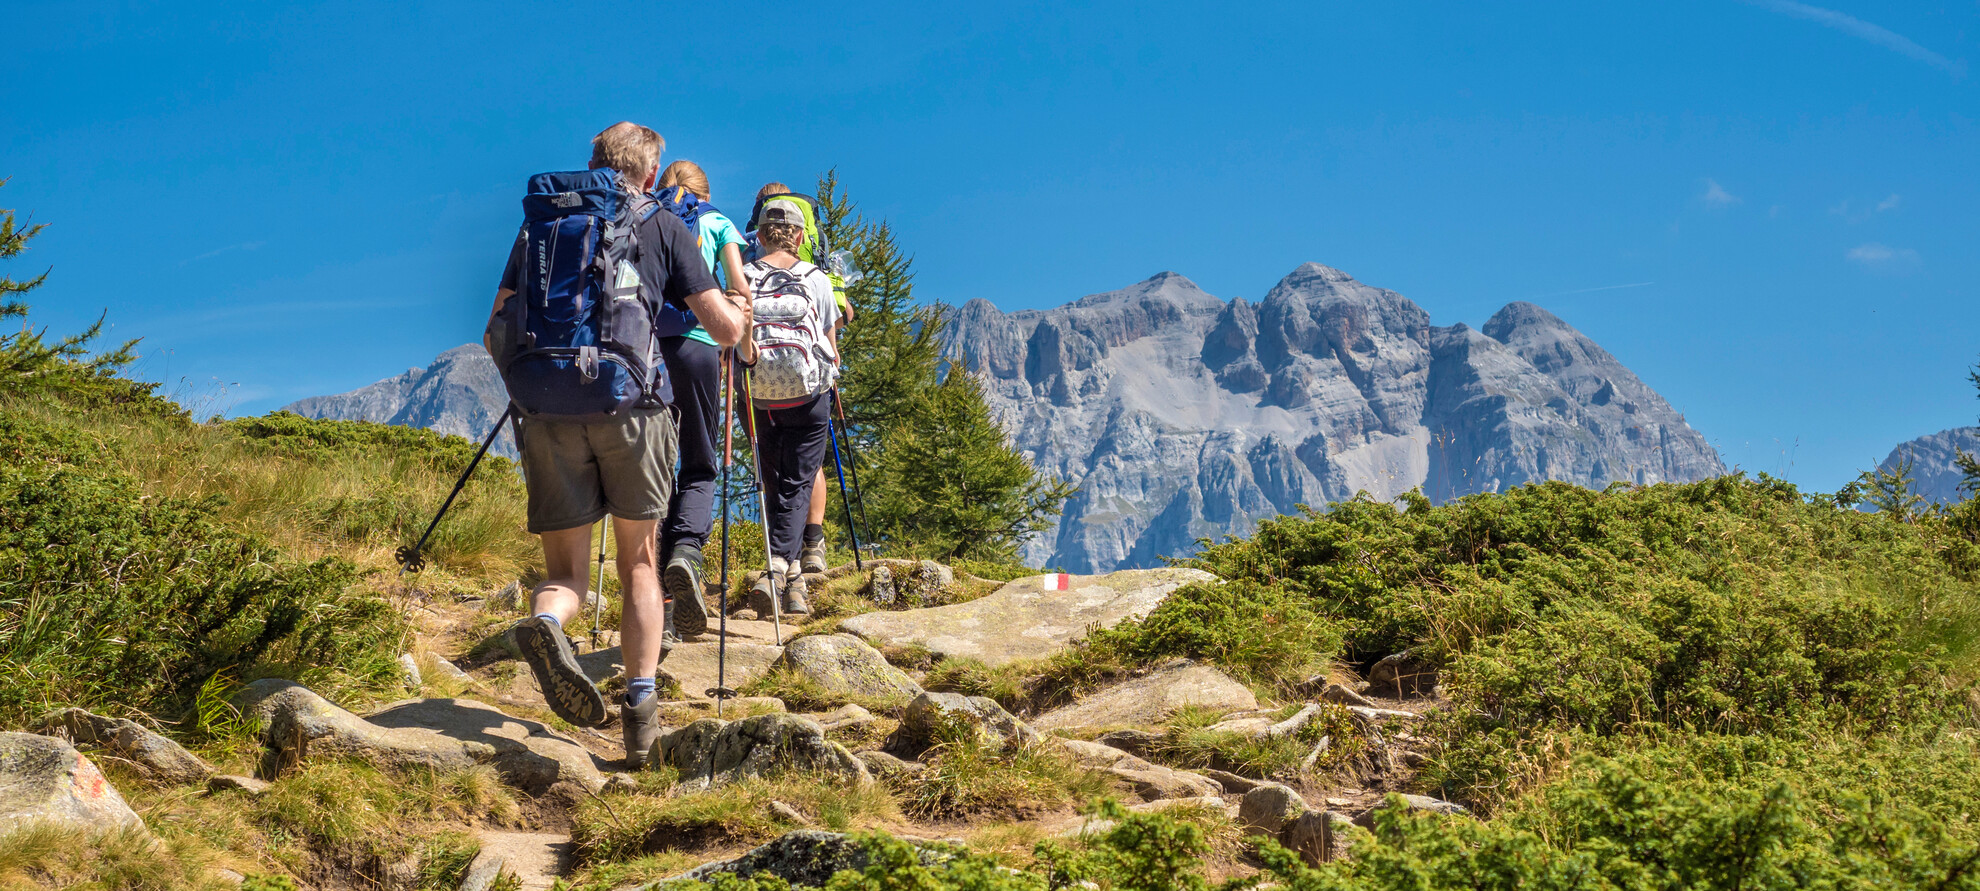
[28, 362]
[951, 485]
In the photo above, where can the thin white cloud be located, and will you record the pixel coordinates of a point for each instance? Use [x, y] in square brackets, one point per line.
[1717, 196]
[1855, 27]
[1876, 255]
[243, 246]
[1890, 203]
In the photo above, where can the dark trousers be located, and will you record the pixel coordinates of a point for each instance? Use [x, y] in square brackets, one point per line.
[695, 370]
[791, 443]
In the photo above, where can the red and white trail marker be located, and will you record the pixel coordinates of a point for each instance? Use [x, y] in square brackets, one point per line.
[1057, 582]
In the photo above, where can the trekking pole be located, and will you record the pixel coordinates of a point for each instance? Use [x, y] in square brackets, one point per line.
[721, 691]
[852, 460]
[598, 606]
[844, 499]
[763, 511]
[410, 559]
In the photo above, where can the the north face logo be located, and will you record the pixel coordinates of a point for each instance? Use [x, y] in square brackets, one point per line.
[567, 199]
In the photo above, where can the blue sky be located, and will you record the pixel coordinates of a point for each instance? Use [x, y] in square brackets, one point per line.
[1769, 210]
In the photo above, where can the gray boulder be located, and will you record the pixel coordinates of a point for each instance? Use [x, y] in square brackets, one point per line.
[925, 716]
[806, 858]
[1402, 676]
[298, 724]
[844, 664]
[528, 755]
[159, 759]
[887, 767]
[1029, 618]
[1269, 807]
[1319, 836]
[721, 751]
[1152, 782]
[1150, 699]
[45, 780]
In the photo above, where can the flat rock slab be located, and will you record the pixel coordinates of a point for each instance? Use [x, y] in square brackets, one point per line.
[1150, 699]
[536, 859]
[528, 755]
[43, 779]
[159, 759]
[297, 724]
[1029, 618]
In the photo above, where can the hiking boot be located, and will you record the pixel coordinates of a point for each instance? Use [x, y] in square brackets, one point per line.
[760, 596]
[641, 729]
[794, 591]
[812, 557]
[571, 695]
[680, 582]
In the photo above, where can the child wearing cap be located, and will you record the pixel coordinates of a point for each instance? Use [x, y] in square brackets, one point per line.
[792, 428]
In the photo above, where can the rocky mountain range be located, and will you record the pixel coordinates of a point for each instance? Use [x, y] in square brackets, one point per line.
[1183, 416]
[1930, 460]
[459, 394]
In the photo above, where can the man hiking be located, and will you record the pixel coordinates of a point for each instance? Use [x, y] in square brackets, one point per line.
[815, 251]
[594, 277]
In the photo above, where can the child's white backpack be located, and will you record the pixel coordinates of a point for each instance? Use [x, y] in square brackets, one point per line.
[794, 351]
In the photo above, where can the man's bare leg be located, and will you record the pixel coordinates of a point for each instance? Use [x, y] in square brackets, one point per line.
[643, 621]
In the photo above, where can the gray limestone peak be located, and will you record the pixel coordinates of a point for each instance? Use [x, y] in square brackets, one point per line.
[1183, 417]
[459, 394]
[1933, 465]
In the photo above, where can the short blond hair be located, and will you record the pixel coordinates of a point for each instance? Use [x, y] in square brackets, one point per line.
[629, 148]
[687, 174]
[770, 189]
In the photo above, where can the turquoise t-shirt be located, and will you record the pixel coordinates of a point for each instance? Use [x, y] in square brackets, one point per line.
[714, 230]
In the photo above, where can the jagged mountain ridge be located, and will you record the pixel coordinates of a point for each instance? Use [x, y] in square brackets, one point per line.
[1932, 463]
[459, 394]
[1183, 416]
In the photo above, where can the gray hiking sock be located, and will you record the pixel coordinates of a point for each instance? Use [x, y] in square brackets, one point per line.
[551, 619]
[637, 689]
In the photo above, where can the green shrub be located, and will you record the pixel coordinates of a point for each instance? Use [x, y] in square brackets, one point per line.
[114, 600]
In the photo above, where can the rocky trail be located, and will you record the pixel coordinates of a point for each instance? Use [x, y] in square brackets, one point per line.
[475, 704]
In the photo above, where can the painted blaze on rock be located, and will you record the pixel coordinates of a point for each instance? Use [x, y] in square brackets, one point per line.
[1029, 618]
[43, 779]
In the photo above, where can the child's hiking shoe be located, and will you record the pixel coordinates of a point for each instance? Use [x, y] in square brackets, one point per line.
[760, 595]
[681, 583]
[812, 557]
[641, 729]
[571, 695]
[794, 591]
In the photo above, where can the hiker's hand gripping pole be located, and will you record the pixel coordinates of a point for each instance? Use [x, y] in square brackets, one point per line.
[410, 559]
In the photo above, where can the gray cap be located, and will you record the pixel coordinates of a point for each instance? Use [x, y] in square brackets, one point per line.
[786, 211]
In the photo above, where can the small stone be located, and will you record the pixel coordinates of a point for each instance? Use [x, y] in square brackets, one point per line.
[483, 872]
[1156, 783]
[409, 670]
[231, 783]
[1268, 807]
[880, 586]
[845, 716]
[926, 581]
[158, 758]
[449, 670]
[788, 814]
[1245, 726]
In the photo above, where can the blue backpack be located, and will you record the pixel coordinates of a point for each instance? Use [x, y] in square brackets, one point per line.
[686, 205]
[579, 344]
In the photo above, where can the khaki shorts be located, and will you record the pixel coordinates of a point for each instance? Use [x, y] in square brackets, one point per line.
[578, 473]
